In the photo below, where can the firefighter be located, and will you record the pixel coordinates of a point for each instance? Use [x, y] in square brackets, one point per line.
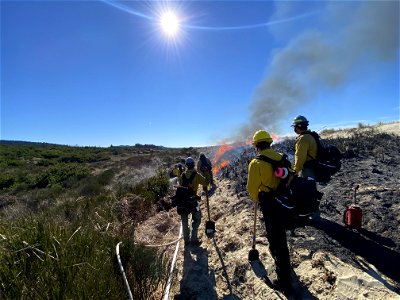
[261, 183]
[197, 180]
[305, 149]
[204, 166]
[178, 170]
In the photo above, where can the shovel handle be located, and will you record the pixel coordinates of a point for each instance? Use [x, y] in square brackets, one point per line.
[208, 206]
[255, 223]
[355, 191]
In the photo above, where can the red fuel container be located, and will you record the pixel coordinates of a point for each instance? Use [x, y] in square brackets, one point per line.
[352, 216]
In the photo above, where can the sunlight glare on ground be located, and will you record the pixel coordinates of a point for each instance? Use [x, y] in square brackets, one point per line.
[169, 23]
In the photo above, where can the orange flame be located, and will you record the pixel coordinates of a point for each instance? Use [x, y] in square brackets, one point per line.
[275, 137]
[222, 165]
[249, 141]
[222, 149]
[228, 147]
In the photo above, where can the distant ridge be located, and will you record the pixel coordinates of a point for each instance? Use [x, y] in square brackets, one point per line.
[25, 143]
[37, 144]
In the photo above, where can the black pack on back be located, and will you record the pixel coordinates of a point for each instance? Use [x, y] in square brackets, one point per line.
[205, 166]
[327, 162]
[282, 163]
[296, 202]
[185, 198]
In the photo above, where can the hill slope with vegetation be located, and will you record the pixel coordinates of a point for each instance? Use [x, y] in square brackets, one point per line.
[63, 210]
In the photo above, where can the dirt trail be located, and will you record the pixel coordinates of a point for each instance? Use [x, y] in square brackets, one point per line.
[329, 261]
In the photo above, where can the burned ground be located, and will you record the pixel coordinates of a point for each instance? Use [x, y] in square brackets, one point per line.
[329, 260]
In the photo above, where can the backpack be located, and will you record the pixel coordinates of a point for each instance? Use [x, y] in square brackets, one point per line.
[205, 166]
[277, 164]
[327, 162]
[185, 198]
[296, 202]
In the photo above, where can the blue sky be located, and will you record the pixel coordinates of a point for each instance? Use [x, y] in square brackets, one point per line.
[96, 73]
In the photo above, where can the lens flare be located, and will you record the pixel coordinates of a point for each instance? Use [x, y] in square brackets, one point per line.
[169, 23]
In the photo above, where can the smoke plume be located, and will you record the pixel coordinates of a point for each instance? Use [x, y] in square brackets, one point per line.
[324, 59]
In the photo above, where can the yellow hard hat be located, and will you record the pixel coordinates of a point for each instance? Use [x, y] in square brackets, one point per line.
[261, 136]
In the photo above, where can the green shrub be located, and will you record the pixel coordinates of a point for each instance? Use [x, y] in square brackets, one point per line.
[45, 162]
[41, 258]
[122, 189]
[153, 188]
[51, 154]
[64, 174]
[145, 268]
[15, 163]
[66, 248]
[105, 177]
[133, 208]
[159, 184]
[90, 187]
[6, 181]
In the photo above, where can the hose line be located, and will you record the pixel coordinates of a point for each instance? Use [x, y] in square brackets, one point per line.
[121, 268]
[163, 245]
[167, 288]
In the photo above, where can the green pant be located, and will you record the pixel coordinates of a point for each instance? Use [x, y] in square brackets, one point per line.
[196, 219]
[307, 172]
[276, 235]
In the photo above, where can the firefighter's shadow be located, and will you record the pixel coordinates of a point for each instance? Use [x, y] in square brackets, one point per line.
[299, 291]
[231, 295]
[377, 238]
[198, 281]
[386, 260]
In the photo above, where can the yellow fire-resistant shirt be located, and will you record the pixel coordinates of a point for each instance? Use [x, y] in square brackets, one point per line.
[305, 150]
[197, 180]
[176, 172]
[261, 175]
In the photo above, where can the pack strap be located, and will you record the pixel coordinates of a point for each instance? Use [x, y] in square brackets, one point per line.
[186, 182]
[267, 159]
[273, 162]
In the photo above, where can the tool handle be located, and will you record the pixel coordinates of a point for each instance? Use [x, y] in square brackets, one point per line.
[355, 191]
[255, 222]
[208, 207]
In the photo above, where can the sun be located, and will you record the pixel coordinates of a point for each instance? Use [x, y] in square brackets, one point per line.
[169, 23]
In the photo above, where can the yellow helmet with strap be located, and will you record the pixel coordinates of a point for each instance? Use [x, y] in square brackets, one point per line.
[261, 136]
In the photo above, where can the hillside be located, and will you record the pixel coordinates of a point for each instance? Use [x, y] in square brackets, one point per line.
[63, 209]
[329, 260]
